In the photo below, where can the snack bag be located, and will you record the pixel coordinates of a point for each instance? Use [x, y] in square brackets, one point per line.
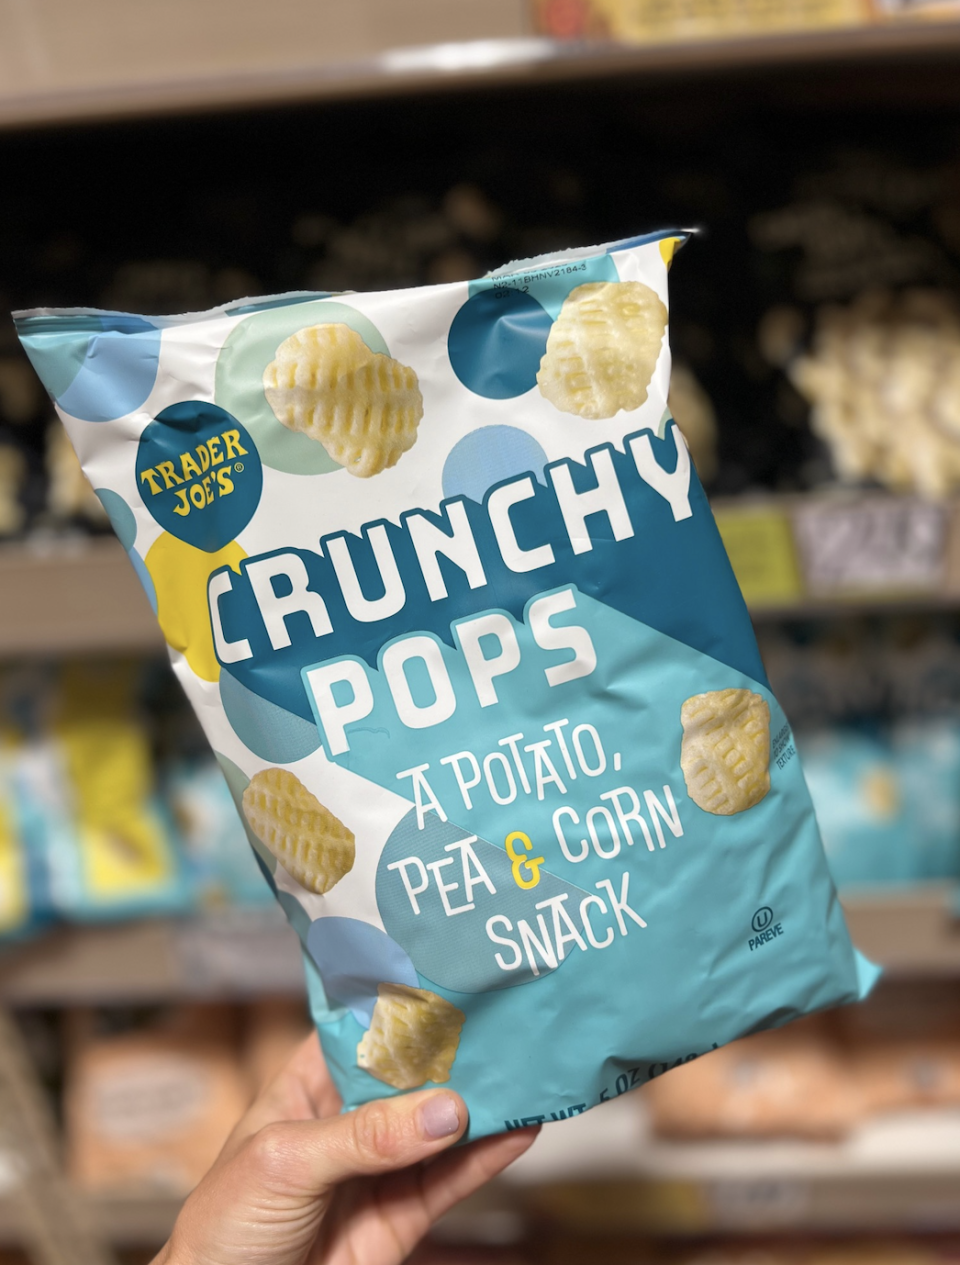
[16, 913]
[108, 847]
[220, 872]
[437, 573]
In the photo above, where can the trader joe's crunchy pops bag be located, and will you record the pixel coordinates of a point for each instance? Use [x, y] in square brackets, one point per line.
[438, 575]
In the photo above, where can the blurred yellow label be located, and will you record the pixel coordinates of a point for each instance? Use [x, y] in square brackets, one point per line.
[13, 878]
[640, 21]
[759, 544]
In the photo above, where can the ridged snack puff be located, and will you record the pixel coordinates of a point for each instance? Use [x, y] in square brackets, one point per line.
[725, 753]
[412, 1038]
[603, 348]
[439, 578]
[310, 843]
[363, 407]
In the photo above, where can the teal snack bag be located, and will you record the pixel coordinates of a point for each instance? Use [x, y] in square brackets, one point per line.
[437, 574]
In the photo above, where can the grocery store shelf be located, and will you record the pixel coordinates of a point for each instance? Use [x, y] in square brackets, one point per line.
[243, 953]
[124, 1221]
[606, 1169]
[77, 595]
[217, 76]
[81, 595]
[233, 954]
[909, 931]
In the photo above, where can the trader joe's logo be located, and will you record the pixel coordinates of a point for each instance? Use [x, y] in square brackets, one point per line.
[199, 474]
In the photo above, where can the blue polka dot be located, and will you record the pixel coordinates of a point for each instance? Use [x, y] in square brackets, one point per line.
[269, 731]
[489, 455]
[497, 341]
[353, 959]
[146, 579]
[121, 517]
[100, 367]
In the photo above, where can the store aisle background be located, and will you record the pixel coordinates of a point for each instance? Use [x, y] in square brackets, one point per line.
[815, 327]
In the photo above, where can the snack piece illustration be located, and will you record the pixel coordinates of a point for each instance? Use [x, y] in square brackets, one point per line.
[362, 406]
[603, 348]
[412, 1038]
[311, 844]
[725, 753]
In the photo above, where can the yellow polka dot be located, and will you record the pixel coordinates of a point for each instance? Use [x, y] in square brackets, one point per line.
[668, 247]
[180, 574]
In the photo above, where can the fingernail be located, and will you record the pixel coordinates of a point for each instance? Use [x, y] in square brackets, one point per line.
[439, 1116]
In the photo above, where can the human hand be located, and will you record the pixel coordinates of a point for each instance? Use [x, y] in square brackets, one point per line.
[299, 1184]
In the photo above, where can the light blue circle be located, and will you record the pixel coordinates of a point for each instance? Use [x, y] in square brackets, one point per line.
[354, 958]
[146, 579]
[251, 345]
[99, 367]
[496, 343]
[487, 456]
[121, 517]
[267, 730]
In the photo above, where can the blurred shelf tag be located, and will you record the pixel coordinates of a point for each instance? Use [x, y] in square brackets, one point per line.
[880, 544]
[758, 1203]
[241, 953]
[759, 544]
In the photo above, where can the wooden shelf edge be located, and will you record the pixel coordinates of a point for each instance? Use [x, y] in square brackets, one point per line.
[76, 595]
[475, 64]
[80, 595]
[245, 953]
[234, 955]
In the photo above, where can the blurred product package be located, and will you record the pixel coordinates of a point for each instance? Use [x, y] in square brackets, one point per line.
[221, 869]
[150, 1108]
[274, 1028]
[93, 826]
[888, 801]
[22, 906]
[644, 21]
[883, 377]
[786, 1082]
[819, 1080]
[86, 773]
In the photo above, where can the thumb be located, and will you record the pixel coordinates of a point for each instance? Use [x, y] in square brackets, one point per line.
[386, 1134]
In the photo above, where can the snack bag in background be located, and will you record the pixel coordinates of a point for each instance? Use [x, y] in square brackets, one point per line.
[109, 850]
[858, 793]
[16, 911]
[440, 580]
[26, 904]
[222, 870]
[775, 1084]
[150, 1108]
[887, 800]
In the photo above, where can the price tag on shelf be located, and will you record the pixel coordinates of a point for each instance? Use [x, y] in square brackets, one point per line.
[240, 953]
[759, 1203]
[759, 544]
[877, 545]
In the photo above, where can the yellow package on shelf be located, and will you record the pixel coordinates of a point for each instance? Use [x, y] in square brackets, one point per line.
[123, 851]
[759, 543]
[14, 905]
